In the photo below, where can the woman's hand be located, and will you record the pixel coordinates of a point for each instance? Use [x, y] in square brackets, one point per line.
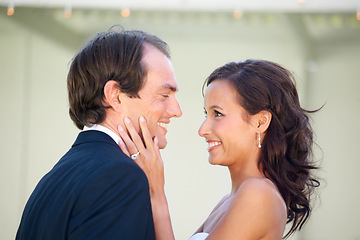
[150, 161]
[148, 157]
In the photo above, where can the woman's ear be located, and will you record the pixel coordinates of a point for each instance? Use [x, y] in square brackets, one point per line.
[112, 95]
[263, 119]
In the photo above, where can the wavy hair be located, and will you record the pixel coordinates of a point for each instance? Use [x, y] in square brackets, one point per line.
[112, 55]
[286, 154]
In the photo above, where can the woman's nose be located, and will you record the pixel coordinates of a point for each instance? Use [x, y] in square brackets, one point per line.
[204, 129]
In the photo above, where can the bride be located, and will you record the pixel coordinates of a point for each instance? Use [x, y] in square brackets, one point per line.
[256, 127]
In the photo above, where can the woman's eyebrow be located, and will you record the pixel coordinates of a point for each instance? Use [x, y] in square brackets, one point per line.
[215, 107]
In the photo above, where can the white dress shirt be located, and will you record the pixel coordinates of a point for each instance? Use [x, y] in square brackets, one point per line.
[103, 129]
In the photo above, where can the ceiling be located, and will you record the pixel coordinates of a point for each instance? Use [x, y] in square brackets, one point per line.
[199, 5]
[311, 22]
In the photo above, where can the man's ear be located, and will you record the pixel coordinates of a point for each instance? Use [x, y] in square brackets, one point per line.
[112, 95]
[263, 119]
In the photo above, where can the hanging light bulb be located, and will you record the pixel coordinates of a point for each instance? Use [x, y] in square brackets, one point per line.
[301, 1]
[125, 12]
[237, 14]
[68, 11]
[11, 9]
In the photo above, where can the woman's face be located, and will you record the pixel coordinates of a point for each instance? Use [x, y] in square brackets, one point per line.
[228, 129]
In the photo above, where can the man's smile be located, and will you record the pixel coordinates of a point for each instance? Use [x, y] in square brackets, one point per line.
[163, 125]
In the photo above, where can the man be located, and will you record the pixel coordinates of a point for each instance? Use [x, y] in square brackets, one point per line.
[95, 191]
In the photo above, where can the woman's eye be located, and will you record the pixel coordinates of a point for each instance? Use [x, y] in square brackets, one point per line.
[205, 112]
[218, 114]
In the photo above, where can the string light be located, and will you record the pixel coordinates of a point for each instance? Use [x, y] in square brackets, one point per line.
[358, 14]
[237, 14]
[67, 12]
[301, 1]
[125, 12]
[11, 9]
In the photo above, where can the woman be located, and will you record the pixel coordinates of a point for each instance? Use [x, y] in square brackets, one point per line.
[256, 127]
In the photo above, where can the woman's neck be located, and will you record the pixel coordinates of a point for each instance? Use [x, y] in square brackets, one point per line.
[239, 174]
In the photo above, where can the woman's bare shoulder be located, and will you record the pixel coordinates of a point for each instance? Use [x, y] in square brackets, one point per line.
[256, 211]
[260, 192]
[258, 185]
[263, 197]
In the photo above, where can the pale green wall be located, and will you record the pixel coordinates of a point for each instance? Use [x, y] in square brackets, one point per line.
[36, 129]
[337, 82]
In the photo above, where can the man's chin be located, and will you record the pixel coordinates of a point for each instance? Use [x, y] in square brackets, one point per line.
[162, 143]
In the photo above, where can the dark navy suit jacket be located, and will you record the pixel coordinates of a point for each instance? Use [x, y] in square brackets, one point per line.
[94, 192]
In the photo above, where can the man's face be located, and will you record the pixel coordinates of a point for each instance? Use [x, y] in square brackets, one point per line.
[157, 102]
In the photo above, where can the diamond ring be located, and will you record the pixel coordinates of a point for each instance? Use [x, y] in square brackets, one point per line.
[134, 156]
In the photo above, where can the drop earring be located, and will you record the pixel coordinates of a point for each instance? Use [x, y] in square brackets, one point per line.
[259, 137]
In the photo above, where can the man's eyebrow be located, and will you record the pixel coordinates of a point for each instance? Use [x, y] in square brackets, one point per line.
[171, 87]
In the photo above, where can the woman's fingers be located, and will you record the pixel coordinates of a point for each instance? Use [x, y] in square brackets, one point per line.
[156, 144]
[133, 143]
[136, 139]
[149, 159]
[146, 134]
[151, 144]
[129, 144]
[123, 146]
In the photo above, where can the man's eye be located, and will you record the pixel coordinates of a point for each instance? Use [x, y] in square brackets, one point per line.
[218, 114]
[165, 95]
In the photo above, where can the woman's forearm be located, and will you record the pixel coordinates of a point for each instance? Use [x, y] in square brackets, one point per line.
[161, 215]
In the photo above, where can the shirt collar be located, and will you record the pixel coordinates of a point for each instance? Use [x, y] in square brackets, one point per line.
[103, 129]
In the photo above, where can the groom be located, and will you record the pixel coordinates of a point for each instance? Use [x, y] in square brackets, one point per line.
[95, 191]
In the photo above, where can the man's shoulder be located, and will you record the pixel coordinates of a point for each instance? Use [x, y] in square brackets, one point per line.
[95, 173]
[95, 146]
[93, 137]
[96, 159]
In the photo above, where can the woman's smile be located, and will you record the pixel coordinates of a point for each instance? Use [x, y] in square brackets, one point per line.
[212, 144]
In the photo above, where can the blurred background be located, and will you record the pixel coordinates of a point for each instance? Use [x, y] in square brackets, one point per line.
[318, 40]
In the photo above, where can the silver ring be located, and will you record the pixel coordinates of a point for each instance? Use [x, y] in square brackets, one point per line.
[134, 156]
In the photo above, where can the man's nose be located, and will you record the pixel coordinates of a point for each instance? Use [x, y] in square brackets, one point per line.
[175, 110]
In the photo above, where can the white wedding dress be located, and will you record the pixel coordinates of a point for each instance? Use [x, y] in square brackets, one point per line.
[199, 236]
